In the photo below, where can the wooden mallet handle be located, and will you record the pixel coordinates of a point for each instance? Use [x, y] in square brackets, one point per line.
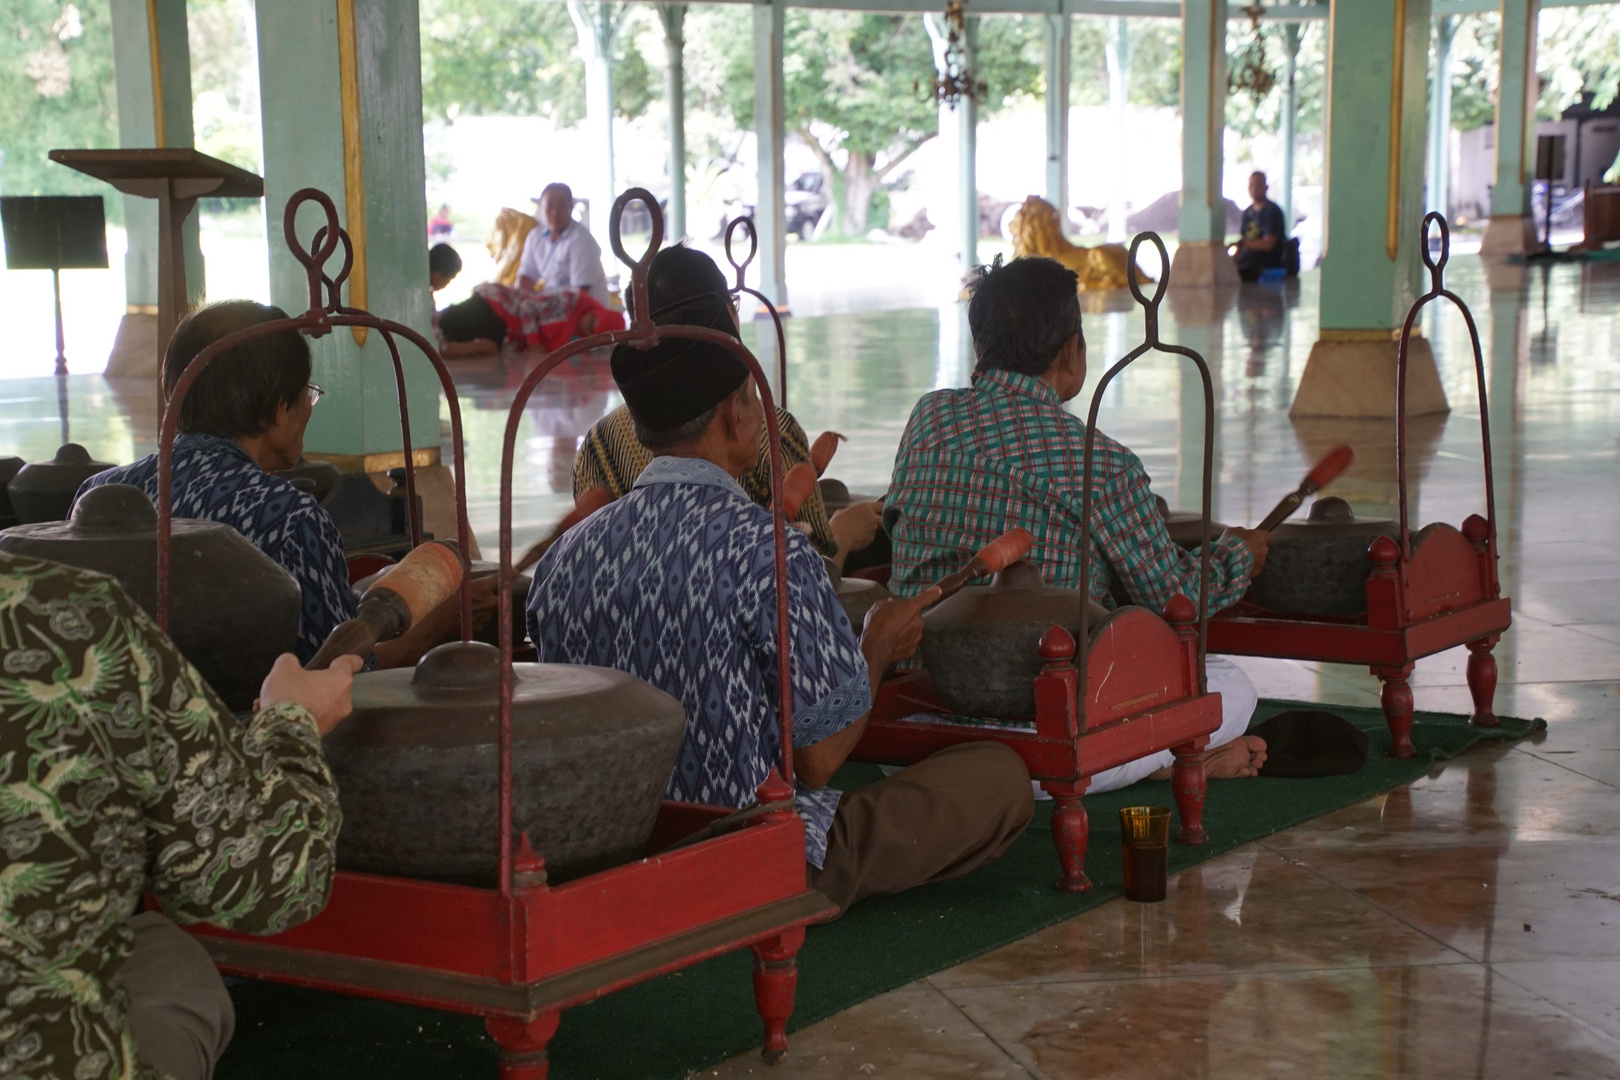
[997, 555]
[1323, 473]
[823, 449]
[423, 580]
[797, 488]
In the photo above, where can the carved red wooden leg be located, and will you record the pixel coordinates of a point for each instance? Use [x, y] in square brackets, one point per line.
[776, 978]
[1482, 682]
[1071, 831]
[1188, 784]
[1397, 701]
[523, 1045]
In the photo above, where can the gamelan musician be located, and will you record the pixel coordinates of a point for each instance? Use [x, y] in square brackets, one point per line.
[675, 583]
[1004, 453]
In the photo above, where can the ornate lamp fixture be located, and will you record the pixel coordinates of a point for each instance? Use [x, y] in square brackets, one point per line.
[958, 81]
[1250, 74]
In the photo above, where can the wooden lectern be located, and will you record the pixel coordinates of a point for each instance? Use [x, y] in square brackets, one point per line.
[176, 179]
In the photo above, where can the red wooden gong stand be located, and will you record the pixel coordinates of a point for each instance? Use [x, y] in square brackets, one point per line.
[1424, 594]
[1137, 688]
[519, 953]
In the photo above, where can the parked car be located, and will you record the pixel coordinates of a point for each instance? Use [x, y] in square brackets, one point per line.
[803, 204]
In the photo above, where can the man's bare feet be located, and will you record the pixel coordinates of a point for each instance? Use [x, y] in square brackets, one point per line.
[1241, 757]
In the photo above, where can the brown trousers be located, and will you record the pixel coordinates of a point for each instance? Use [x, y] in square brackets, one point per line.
[938, 819]
[179, 1009]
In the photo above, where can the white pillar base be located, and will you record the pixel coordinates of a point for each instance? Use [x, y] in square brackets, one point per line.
[1202, 264]
[1354, 377]
[135, 349]
[1510, 234]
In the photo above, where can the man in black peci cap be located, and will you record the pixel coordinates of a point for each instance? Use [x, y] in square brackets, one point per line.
[675, 584]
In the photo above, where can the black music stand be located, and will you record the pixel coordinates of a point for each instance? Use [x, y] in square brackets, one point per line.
[176, 178]
[55, 233]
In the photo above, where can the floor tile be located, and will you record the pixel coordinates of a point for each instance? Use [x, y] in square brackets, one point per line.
[910, 1032]
[1589, 989]
[1492, 794]
[1508, 900]
[1248, 910]
[1423, 1023]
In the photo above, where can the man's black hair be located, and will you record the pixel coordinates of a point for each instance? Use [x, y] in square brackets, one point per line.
[679, 273]
[1021, 313]
[443, 260]
[238, 393]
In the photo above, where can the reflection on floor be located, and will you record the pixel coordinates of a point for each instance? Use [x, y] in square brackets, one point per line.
[1468, 925]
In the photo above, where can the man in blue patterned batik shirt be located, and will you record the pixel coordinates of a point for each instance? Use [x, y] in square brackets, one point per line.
[1005, 453]
[243, 418]
[675, 583]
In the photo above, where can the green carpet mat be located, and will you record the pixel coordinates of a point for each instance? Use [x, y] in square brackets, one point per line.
[674, 1025]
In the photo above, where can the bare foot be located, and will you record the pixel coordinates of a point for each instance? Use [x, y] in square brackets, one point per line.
[1241, 757]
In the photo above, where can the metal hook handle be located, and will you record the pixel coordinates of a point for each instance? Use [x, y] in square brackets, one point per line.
[324, 243]
[1436, 268]
[1132, 272]
[638, 268]
[334, 298]
[753, 247]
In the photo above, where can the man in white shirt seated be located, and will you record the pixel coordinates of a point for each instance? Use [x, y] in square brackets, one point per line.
[562, 254]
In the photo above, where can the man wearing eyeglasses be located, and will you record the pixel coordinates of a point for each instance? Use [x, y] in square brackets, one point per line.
[244, 418]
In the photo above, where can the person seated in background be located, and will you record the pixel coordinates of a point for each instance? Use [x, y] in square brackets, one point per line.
[562, 253]
[1004, 453]
[496, 315]
[1264, 233]
[441, 224]
[611, 456]
[244, 418]
[127, 776]
[675, 583]
[444, 263]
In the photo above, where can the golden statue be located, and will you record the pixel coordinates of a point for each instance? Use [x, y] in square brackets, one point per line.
[1037, 230]
[505, 243]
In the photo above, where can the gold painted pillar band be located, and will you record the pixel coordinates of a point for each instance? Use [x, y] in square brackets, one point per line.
[159, 138]
[354, 181]
[1392, 228]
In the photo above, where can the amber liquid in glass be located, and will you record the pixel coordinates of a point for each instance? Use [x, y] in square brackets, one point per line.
[1146, 872]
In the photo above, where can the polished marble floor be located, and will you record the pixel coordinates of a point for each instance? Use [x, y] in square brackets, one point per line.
[1465, 926]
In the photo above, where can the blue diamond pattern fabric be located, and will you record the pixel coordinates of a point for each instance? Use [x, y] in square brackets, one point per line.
[675, 584]
[216, 480]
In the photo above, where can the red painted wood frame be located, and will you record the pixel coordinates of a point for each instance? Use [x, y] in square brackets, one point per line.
[1423, 597]
[1139, 689]
[520, 953]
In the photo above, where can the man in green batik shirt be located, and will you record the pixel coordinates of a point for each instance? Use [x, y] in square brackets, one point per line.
[122, 773]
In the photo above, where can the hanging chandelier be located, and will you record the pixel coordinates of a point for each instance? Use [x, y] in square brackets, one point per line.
[957, 82]
[1250, 74]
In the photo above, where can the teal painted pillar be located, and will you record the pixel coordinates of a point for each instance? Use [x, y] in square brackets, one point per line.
[967, 157]
[1057, 115]
[673, 16]
[1439, 181]
[152, 69]
[1288, 111]
[770, 130]
[1201, 258]
[1512, 228]
[959, 138]
[341, 91]
[598, 25]
[1377, 95]
[1117, 53]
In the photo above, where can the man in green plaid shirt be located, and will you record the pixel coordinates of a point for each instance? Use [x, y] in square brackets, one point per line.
[1004, 453]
